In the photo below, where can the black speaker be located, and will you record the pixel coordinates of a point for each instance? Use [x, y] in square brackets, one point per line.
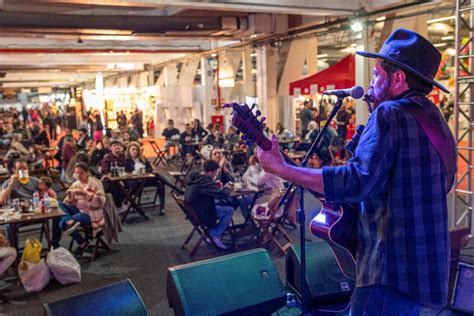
[325, 283]
[118, 299]
[463, 294]
[244, 283]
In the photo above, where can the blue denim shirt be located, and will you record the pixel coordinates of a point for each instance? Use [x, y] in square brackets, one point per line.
[398, 179]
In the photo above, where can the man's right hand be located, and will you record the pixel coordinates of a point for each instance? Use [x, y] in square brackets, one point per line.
[14, 178]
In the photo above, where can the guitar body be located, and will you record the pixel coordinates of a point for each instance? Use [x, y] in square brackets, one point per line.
[335, 223]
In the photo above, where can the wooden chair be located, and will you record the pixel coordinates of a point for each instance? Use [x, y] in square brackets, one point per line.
[271, 230]
[160, 154]
[99, 243]
[180, 176]
[198, 226]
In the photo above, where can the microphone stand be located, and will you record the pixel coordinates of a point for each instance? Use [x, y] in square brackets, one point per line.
[301, 211]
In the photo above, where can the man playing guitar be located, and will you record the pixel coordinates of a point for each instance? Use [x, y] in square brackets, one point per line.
[400, 179]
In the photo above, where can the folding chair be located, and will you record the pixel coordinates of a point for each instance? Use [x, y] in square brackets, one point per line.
[99, 241]
[270, 228]
[181, 175]
[160, 154]
[198, 226]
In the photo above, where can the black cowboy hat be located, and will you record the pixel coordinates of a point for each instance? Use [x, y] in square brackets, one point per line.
[413, 53]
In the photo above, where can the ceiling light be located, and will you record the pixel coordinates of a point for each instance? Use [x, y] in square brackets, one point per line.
[446, 18]
[440, 44]
[253, 36]
[451, 51]
[380, 19]
[357, 27]
[321, 55]
[447, 38]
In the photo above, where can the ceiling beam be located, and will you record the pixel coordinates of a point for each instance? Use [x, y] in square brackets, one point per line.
[139, 24]
[303, 7]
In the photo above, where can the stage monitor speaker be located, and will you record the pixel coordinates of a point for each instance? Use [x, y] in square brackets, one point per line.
[325, 283]
[244, 283]
[118, 299]
[463, 294]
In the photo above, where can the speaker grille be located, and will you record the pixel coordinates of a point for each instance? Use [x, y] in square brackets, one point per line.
[227, 284]
[463, 296]
[324, 279]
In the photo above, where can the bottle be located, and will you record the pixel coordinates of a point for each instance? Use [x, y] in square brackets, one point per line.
[46, 202]
[36, 200]
[16, 205]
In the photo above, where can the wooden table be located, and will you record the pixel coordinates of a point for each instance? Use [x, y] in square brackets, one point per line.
[32, 218]
[132, 196]
[27, 218]
[250, 189]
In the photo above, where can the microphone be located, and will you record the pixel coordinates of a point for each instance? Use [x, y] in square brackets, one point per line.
[355, 92]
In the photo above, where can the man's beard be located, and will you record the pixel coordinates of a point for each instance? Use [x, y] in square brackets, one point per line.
[383, 94]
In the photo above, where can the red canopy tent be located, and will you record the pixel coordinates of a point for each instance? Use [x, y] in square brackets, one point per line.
[339, 76]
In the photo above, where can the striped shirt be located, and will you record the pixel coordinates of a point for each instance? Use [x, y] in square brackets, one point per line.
[399, 181]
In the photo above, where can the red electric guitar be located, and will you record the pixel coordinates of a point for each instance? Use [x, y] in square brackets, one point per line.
[336, 223]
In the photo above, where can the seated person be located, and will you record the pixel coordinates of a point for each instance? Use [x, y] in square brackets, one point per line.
[116, 134]
[7, 254]
[82, 140]
[231, 138]
[170, 133]
[83, 205]
[225, 172]
[39, 136]
[127, 138]
[44, 187]
[284, 134]
[215, 138]
[102, 149]
[34, 157]
[186, 141]
[202, 192]
[68, 151]
[17, 145]
[135, 161]
[114, 158]
[13, 188]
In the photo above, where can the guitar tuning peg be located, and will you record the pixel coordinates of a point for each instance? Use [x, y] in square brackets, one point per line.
[253, 106]
[263, 119]
[237, 131]
[258, 113]
[244, 137]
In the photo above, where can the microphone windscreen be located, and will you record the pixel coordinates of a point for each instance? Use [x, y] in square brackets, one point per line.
[357, 92]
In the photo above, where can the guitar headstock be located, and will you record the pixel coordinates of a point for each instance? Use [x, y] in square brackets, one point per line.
[249, 125]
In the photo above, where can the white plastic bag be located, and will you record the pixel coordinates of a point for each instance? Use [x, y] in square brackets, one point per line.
[35, 277]
[64, 266]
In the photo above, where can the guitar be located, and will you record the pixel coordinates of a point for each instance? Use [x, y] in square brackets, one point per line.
[336, 223]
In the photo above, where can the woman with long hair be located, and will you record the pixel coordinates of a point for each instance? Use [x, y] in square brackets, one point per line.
[136, 161]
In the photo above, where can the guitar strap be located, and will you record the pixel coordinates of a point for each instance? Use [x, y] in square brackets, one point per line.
[441, 138]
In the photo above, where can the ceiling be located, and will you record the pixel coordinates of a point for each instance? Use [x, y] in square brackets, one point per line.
[64, 43]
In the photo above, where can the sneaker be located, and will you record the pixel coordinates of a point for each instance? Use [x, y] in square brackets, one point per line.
[79, 250]
[71, 228]
[162, 212]
[219, 243]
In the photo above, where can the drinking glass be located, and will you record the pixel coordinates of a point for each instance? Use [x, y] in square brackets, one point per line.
[24, 177]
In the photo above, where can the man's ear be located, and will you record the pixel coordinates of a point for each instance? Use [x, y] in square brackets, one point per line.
[399, 78]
